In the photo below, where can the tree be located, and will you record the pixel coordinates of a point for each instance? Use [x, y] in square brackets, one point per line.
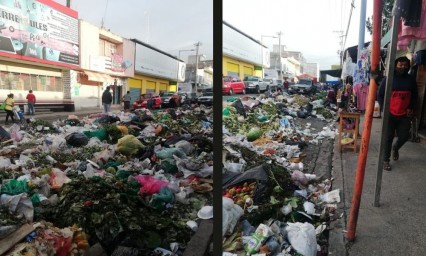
[386, 18]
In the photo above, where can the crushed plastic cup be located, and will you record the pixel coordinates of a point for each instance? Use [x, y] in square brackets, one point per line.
[192, 225]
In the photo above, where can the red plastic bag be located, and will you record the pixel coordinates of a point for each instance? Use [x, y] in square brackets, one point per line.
[149, 185]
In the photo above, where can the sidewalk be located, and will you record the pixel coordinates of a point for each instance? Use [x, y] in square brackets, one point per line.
[51, 116]
[397, 226]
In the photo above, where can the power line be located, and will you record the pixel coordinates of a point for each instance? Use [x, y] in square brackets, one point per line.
[349, 23]
[103, 17]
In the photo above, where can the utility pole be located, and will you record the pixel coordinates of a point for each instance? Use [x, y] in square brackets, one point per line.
[361, 27]
[281, 65]
[340, 32]
[196, 66]
[69, 3]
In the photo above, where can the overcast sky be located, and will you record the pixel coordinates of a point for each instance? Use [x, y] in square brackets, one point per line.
[307, 25]
[169, 25]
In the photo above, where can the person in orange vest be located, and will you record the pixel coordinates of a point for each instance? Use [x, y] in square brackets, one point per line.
[31, 100]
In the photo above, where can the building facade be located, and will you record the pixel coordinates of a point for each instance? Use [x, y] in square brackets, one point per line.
[242, 54]
[155, 71]
[39, 47]
[106, 59]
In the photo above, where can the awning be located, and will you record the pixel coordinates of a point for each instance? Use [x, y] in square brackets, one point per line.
[99, 77]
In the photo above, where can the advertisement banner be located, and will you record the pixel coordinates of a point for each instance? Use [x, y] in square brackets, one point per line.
[36, 29]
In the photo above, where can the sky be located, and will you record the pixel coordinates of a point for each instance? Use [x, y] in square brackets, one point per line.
[307, 26]
[168, 25]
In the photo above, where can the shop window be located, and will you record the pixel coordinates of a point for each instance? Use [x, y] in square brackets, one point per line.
[34, 82]
[59, 87]
[25, 78]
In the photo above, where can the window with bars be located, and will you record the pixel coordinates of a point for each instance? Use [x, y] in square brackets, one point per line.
[19, 81]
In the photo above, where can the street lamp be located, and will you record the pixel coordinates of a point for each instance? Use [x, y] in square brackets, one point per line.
[177, 72]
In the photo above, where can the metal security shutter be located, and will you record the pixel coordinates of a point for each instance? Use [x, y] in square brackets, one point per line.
[248, 71]
[232, 69]
[134, 94]
[163, 87]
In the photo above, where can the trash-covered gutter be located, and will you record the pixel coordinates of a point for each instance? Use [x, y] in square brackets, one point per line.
[272, 204]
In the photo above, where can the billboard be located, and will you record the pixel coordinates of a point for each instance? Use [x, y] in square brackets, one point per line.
[42, 30]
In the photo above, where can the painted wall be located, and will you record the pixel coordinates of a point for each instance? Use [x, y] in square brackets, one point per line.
[235, 67]
[147, 83]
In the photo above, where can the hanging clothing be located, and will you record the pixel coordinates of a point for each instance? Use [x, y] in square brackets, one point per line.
[408, 33]
[409, 10]
[361, 92]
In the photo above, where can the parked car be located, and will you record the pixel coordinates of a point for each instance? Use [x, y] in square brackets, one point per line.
[206, 97]
[256, 84]
[303, 86]
[142, 102]
[165, 98]
[231, 85]
[272, 82]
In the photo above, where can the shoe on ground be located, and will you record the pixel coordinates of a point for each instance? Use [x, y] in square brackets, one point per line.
[387, 166]
[395, 154]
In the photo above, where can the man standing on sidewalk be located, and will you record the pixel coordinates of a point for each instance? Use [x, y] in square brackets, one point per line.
[31, 100]
[107, 100]
[402, 103]
[126, 100]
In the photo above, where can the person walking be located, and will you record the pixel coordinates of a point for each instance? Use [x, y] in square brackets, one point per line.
[10, 103]
[31, 100]
[402, 103]
[107, 100]
[126, 100]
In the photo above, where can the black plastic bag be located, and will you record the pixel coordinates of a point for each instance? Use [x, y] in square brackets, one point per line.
[76, 139]
[263, 188]
[238, 105]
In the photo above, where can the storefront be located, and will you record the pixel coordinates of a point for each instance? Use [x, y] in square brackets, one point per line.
[38, 58]
[155, 71]
[242, 55]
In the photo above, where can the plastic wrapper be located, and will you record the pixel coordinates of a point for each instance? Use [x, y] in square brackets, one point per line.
[166, 153]
[185, 146]
[4, 162]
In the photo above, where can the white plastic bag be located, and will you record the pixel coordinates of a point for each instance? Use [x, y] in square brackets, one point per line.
[376, 112]
[302, 238]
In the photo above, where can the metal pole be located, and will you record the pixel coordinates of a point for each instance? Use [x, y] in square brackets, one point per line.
[389, 84]
[196, 67]
[281, 66]
[69, 3]
[368, 119]
[361, 36]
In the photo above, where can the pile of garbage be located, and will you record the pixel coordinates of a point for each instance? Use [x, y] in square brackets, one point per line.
[272, 203]
[123, 184]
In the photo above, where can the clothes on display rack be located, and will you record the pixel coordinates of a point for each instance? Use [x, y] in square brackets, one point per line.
[361, 92]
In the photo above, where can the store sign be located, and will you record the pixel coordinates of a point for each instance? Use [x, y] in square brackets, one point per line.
[155, 63]
[241, 47]
[36, 29]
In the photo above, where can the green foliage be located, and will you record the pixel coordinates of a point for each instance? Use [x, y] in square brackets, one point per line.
[386, 18]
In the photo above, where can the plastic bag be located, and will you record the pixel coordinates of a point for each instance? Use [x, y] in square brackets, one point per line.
[185, 146]
[258, 174]
[58, 178]
[104, 155]
[4, 162]
[101, 134]
[20, 204]
[149, 185]
[167, 153]
[14, 187]
[162, 198]
[4, 134]
[14, 132]
[54, 143]
[302, 238]
[76, 139]
[129, 145]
